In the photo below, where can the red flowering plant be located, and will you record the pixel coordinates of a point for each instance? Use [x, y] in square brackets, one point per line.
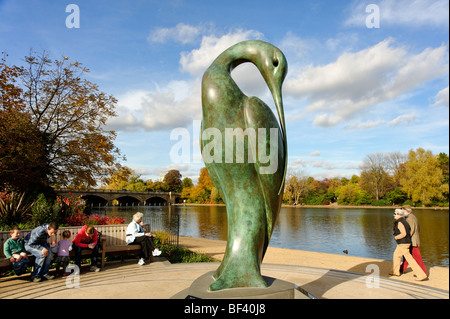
[82, 219]
[72, 209]
[104, 220]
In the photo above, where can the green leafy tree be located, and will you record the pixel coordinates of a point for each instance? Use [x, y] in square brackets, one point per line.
[422, 180]
[173, 180]
[186, 182]
[119, 178]
[396, 196]
[443, 164]
[352, 194]
[136, 184]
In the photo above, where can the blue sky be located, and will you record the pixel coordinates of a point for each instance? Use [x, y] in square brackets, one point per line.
[350, 91]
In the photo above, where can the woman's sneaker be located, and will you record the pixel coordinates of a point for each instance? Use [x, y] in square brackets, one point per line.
[141, 262]
[156, 252]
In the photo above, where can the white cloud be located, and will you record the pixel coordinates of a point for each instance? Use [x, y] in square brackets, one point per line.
[441, 98]
[293, 45]
[403, 119]
[365, 125]
[175, 105]
[178, 103]
[340, 91]
[315, 153]
[416, 13]
[196, 61]
[182, 33]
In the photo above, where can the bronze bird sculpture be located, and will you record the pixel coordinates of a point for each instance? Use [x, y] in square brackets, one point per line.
[244, 148]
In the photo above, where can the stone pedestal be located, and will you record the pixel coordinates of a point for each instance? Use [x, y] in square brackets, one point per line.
[276, 289]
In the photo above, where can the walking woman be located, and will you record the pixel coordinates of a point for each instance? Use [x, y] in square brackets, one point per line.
[137, 235]
[402, 231]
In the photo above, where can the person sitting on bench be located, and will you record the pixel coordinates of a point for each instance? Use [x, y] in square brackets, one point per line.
[87, 237]
[137, 235]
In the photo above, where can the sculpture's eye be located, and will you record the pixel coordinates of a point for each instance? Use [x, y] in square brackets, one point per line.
[275, 62]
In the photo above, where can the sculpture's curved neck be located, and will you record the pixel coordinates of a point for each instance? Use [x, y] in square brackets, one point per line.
[236, 55]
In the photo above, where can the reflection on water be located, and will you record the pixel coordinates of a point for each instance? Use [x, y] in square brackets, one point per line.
[362, 232]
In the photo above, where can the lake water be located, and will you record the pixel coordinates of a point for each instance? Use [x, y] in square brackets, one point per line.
[362, 232]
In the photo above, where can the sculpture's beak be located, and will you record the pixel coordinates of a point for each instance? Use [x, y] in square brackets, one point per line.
[275, 89]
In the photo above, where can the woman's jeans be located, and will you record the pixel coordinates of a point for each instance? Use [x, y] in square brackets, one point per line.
[78, 251]
[41, 263]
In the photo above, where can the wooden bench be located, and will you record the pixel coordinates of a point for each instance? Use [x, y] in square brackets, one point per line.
[112, 242]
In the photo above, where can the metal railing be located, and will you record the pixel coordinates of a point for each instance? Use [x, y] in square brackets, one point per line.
[167, 224]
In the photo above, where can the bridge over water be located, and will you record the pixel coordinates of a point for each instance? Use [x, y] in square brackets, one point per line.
[106, 197]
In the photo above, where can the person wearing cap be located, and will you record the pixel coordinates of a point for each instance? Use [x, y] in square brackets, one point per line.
[401, 231]
[415, 239]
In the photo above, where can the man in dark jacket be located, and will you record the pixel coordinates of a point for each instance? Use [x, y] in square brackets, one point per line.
[36, 244]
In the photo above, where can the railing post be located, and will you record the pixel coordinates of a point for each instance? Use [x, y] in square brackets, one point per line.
[178, 231]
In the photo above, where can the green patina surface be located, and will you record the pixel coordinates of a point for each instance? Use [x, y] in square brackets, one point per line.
[252, 196]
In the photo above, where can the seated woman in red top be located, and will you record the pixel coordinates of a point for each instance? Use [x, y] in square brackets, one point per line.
[86, 239]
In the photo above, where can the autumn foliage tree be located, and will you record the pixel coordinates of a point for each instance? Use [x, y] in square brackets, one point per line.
[69, 112]
[23, 160]
[422, 179]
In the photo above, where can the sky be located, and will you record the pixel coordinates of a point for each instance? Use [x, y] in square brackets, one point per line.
[363, 76]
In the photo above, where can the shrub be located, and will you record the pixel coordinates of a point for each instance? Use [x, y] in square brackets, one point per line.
[183, 255]
[14, 208]
[409, 202]
[161, 237]
[381, 202]
[81, 219]
[43, 211]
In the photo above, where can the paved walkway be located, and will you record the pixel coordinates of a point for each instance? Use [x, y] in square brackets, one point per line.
[162, 280]
[320, 275]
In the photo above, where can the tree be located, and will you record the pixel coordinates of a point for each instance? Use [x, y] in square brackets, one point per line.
[205, 180]
[374, 178]
[173, 180]
[186, 182]
[10, 93]
[157, 186]
[296, 187]
[136, 184]
[394, 162]
[71, 113]
[22, 150]
[422, 180]
[352, 194]
[23, 160]
[443, 164]
[396, 196]
[119, 178]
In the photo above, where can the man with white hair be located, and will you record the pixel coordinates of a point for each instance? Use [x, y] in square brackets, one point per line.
[415, 239]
